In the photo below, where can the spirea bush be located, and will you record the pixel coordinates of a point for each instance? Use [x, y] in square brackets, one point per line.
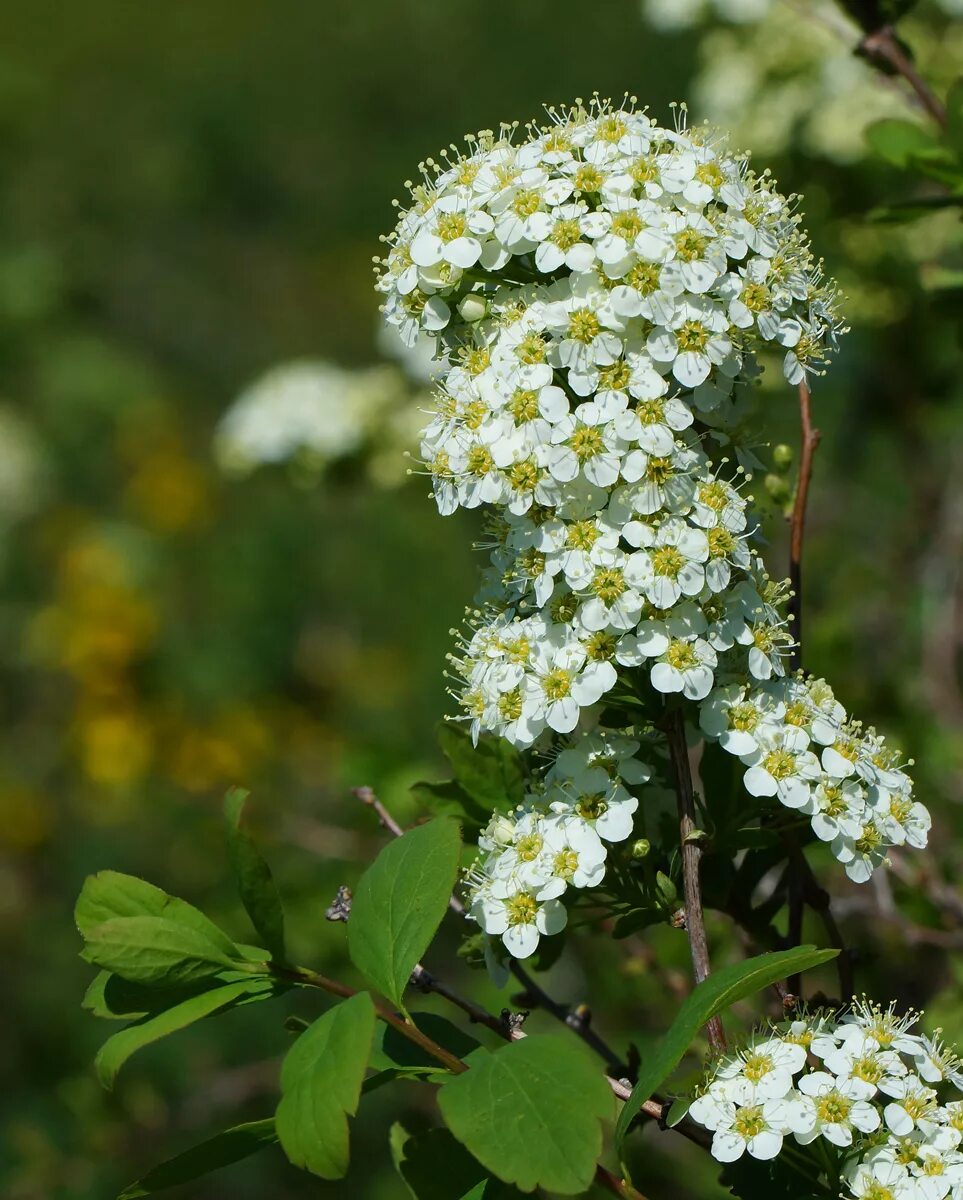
[634, 738]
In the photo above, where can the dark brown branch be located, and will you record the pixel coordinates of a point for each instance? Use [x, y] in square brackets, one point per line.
[882, 48]
[691, 855]
[809, 440]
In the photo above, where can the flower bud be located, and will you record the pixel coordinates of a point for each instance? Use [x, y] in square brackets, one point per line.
[777, 487]
[473, 307]
[782, 456]
[641, 848]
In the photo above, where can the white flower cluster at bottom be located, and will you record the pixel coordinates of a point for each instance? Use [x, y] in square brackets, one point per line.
[877, 1092]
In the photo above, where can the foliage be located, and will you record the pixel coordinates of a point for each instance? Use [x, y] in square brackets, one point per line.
[179, 205]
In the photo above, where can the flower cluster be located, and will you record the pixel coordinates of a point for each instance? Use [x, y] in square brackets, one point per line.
[599, 292]
[556, 839]
[797, 745]
[887, 1100]
[313, 414]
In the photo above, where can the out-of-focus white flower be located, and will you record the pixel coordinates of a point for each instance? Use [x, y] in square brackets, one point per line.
[22, 468]
[314, 413]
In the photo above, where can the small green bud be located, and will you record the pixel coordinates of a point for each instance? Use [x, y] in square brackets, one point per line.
[777, 487]
[782, 456]
[641, 848]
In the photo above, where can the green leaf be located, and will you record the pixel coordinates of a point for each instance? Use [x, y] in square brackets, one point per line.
[110, 894]
[531, 1111]
[710, 998]
[321, 1079]
[954, 117]
[230, 1146]
[434, 1166]
[897, 141]
[255, 883]
[117, 1049]
[400, 902]
[391, 1049]
[449, 798]
[155, 950]
[491, 773]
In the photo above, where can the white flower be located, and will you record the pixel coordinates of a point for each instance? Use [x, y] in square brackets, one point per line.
[758, 1126]
[670, 563]
[831, 1108]
[913, 1104]
[735, 714]
[782, 766]
[685, 666]
[764, 1071]
[561, 680]
[517, 917]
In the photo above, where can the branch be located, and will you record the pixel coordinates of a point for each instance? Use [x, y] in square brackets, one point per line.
[510, 1028]
[534, 993]
[367, 796]
[809, 438]
[882, 48]
[691, 856]
[308, 978]
[618, 1187]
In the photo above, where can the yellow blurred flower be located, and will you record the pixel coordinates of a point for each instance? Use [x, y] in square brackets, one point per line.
[115, 747]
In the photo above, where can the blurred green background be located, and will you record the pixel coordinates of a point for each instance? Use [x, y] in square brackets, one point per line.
[191, 196]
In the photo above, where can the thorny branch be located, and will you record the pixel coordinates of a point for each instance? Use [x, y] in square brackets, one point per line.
[691, 856]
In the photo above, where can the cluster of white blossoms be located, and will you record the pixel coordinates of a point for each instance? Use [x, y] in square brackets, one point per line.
[886, 1099]
[556, 839]
[314, 413]
[797, 745]
[599, 291]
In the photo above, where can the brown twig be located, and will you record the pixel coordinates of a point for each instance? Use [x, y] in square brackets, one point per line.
[691, 856]
[809, 439]
[618, 1187]
[882, 48]
[308, 978]
[367, 796]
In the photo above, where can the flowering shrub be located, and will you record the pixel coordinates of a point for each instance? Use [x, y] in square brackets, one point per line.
[603, 294]
[600, 292]
[886, 1102]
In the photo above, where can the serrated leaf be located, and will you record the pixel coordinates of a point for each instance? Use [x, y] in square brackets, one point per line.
[400, 902]
[715, 994]
[897, 141]
[255, 883]
[117, 1049]
[321, 1079]
[230, 1146]
[155, 950]
[111, 894]
[531, 1112]
[491, 772]
[434, 1166]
